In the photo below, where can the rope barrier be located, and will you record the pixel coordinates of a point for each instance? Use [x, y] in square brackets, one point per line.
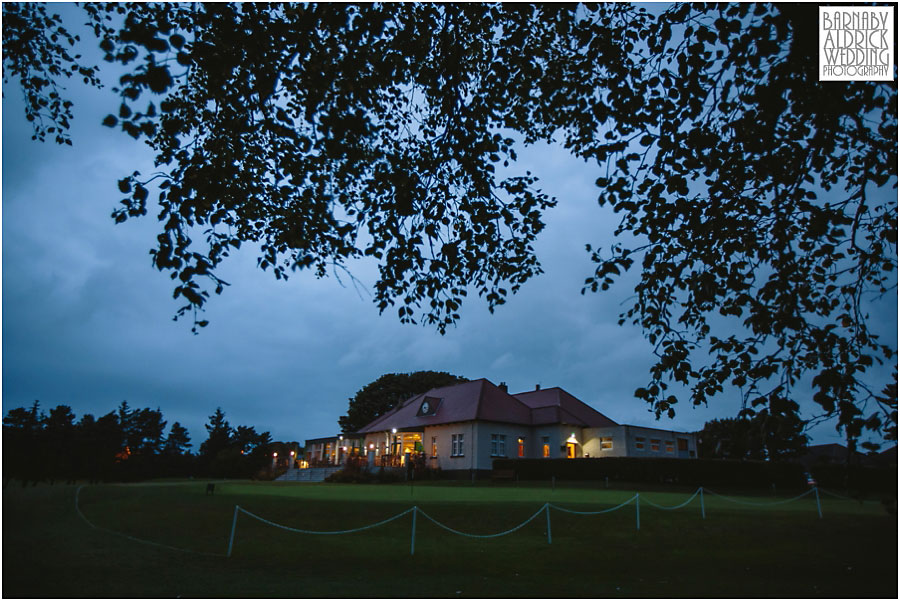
[415, 510]
[298, 530]
[134, 538]
[760, 504]
[834, 494]
[671, 507]
[504, 533]
[564, 510]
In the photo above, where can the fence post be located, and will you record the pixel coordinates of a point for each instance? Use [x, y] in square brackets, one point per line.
[702, 506]
[818, 503]
[412, 544]
[637, 509]
[549, 537]
[233, 526]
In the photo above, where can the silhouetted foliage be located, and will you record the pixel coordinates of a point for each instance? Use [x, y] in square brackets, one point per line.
[238, 452]
[770, 436]
[753, 197]
[126, 444]
[382, 395]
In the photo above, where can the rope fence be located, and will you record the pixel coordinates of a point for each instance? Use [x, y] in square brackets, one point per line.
[415, 511]
[134, 538]
[545, 508]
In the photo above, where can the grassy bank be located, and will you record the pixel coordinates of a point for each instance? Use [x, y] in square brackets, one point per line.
[737, 551]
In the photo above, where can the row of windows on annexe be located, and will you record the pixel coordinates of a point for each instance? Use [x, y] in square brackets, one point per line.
[640, 443]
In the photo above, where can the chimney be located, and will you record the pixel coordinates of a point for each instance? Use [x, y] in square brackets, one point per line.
[504, 387]
[537, 387]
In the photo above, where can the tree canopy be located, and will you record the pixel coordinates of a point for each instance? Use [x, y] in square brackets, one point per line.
[764, 436]
[378, 397]
[757, 202]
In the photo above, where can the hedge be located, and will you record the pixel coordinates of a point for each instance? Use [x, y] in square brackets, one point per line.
[703, 472]
[693, 472]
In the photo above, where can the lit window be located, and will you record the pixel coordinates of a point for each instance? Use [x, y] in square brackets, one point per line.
[606, 443]
[434, 446]
[670, 446]
[654, 444]
[545, 440]
[521, 447]
[639, 442]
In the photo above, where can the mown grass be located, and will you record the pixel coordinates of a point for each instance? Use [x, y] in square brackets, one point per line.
[737, 551]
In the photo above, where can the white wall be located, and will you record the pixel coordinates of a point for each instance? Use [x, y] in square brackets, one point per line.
[484, 430]
[624, 439]
[444, 434]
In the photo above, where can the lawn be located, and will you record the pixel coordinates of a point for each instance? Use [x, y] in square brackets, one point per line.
[49, 550]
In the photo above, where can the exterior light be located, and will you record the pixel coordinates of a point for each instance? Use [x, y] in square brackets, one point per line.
[394, 430]
[371, 445]
[274, 454]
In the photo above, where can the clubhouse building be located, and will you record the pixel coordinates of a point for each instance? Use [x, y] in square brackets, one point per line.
[464, 427]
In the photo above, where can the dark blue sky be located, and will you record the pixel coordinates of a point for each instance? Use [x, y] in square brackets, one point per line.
[87, 321]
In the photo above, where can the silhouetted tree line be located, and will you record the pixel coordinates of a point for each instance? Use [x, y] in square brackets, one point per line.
[125, 444]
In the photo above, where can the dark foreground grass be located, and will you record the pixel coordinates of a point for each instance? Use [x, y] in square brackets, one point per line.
[737, 551]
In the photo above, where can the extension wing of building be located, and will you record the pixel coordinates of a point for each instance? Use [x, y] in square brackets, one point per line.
[466, 426]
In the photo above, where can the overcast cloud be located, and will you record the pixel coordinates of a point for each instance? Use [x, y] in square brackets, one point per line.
[87, 321]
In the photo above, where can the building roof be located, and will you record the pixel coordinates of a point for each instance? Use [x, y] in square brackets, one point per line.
[469, 401]
[555, 405]
[482, 400]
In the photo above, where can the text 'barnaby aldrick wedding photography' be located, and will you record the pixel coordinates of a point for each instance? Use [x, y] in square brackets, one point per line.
[856, 43]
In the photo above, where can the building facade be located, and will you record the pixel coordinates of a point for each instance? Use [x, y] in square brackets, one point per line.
[466, 426]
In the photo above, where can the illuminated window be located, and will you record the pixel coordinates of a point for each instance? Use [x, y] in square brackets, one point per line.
[434, 446]
[670, 446]
[521, 447]
[606, 443]
[457, 445]
[682, 444]
[654, 444]
[545, 440]
[639, 442]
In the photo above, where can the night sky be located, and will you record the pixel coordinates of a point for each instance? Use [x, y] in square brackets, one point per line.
[87, 320]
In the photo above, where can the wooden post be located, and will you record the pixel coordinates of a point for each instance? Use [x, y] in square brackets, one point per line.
[637, 509]
[549, 537]
[233, 527]
[412, 543]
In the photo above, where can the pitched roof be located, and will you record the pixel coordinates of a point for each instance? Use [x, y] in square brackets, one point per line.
[555, 405]
[469, 401]
[482, 400]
